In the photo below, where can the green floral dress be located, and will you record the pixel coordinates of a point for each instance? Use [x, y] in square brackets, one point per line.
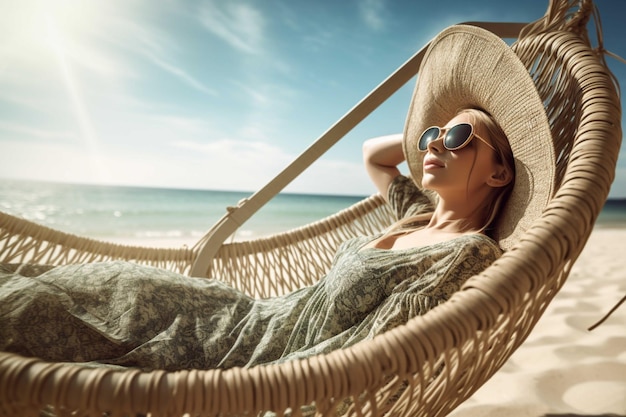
[120, 313]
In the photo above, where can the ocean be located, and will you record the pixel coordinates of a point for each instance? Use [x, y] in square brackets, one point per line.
[155, 216]
[173, 217]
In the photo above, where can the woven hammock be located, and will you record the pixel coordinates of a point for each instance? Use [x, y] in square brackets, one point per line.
[427, 366]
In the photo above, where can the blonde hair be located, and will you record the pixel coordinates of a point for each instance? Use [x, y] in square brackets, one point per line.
[499, 195]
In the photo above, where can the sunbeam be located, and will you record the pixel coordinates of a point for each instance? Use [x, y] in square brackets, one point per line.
[81, 113]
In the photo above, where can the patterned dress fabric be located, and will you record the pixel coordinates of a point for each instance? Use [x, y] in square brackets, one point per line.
[124, 314]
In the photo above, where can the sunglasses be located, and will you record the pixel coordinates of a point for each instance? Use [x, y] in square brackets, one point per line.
[454, 138]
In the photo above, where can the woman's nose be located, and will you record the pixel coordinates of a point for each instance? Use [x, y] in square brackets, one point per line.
[436, 145]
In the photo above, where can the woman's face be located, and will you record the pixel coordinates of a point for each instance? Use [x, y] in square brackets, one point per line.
[467, 172]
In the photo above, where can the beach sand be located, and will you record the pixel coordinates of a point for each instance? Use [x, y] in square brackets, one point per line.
[563, 369]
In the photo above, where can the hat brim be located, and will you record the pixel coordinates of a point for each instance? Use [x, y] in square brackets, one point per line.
[467, 67]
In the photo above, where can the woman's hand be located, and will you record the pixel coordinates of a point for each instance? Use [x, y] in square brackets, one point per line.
[381, 156]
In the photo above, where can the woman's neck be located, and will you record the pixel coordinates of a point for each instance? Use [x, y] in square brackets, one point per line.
[456, 220]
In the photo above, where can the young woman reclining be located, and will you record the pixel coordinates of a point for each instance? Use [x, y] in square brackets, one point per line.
[467, 153]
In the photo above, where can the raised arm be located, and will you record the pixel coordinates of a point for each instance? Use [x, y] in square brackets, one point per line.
[381, 156]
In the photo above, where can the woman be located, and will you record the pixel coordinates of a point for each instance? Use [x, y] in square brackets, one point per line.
[471, 180]
[124, 314]
[118, 313]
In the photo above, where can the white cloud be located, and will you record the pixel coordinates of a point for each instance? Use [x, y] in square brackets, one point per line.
[332, 176]
[240, 25]
[182, 75]
[51, 162]
[267, 112]
[143, 39]
[226, 163]
[138, 35]
[14, 129]
[373, 13]
[240, 155]
[251, 165]
[184, 125]
[81, 51]
[257, 95]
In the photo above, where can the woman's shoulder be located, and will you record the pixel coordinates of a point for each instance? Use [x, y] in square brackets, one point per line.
[471, 245]
[407, 199]
[475, 246]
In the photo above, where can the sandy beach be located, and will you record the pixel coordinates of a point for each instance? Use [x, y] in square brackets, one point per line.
[563, 369]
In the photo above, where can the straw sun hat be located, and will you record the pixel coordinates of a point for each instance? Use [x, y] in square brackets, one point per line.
[466, 66]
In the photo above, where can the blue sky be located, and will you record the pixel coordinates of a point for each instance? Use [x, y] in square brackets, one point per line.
[217, 94]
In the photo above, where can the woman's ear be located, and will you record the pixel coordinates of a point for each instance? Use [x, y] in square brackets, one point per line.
[500, 177]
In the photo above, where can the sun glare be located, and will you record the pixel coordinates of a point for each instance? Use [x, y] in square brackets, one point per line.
[72, 15]
[59, 21]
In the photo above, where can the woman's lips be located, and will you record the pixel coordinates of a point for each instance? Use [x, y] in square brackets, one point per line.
[432, 163]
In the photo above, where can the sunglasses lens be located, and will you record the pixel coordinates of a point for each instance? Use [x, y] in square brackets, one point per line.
[428, 136]
[457, 136]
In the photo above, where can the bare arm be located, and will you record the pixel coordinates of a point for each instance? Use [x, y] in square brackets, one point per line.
[381, 156]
